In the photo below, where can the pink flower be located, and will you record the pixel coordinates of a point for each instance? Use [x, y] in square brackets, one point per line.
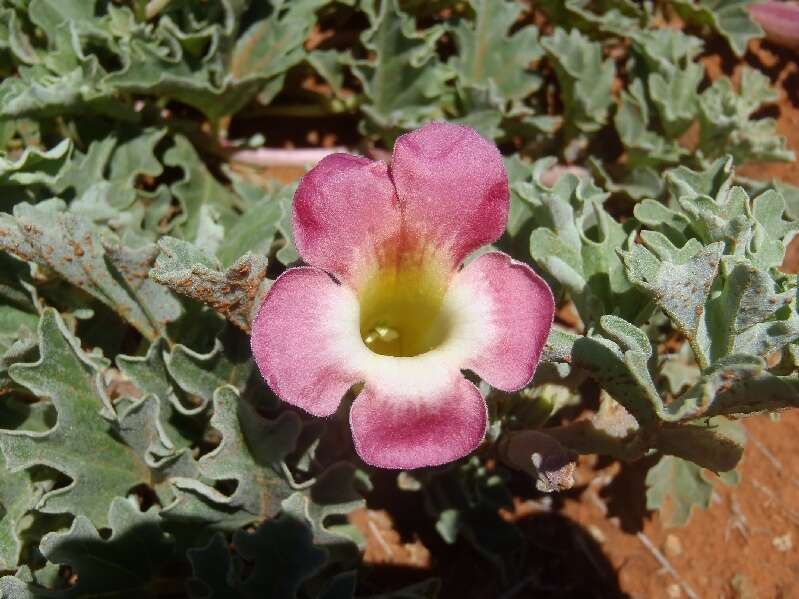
[396, 313]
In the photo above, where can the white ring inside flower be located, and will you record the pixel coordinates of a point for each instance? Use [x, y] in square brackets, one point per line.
[402, 311]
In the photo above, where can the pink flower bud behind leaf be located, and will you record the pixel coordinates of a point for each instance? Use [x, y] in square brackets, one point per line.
[780, 21]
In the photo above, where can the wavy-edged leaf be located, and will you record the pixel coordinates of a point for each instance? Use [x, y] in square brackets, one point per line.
[488, 57]
[740, 385]
[250, 453]
[678, 280]
[586, 80]
[114, 274]
[123, 564]
[730, 18]
[70, 378]
[675, 486]
[404, 81]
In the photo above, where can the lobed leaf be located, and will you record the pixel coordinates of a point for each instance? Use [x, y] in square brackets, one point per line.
[114, 274]
[251, 453]
[235, 293]
[70, 378]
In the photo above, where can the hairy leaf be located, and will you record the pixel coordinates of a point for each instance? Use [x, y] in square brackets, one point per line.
[235, 293]
[586, 80]
[114, 274]
[124, 563]
[675, 486]
[489, 58]
[730, 18]
[251, 453]
[404, 81]
[70, 379]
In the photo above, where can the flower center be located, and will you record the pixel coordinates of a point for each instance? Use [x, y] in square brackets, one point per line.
[401, 312]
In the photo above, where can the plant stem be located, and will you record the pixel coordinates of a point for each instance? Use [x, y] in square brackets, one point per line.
[272, 157]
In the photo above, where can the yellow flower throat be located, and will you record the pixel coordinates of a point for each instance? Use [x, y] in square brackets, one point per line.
[401, 311]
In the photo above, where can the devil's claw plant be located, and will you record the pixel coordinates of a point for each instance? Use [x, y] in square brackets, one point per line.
[201, 366]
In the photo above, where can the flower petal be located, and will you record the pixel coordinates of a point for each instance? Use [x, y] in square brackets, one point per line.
[508, 310]
[394, 429]
[302, 336]
[453, 187]
[345, 209]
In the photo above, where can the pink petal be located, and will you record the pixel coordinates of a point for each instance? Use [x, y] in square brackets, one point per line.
[513, 310]
[453, 188]
[779, 20]
[301, 337]
[398, 430]
[345, 209]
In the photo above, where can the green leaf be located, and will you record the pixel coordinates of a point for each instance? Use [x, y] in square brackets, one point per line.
[20, 178]
[741, 314]
[772, 233]
[212, 567]
[619, 17]
[49, 14]
[672, 224]
[730, 18]
[586, 80]
[332, 496]
[17, 496]
[404, 81]
[642, 182]
[665, 48]
[255, 229]
[235, 293]
[251, 453]
[18, 490]
[674, 94]
[203, 200]
[714, 180]
[632, 123]
[577, 243]
[283, 551]
[136, 157]
[149, 374]
[716, 443]
[559, 346]
[675, 486]
[621, 368]
[678, 282]
[726, 124]
[283, 557]
[114, 274]
[71, 379]
[228, 363]
[274, 44]
[125, 563]
[85, 170]
[330, 64]
[488, 57]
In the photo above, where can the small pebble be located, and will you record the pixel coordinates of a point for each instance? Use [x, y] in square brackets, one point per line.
[598, 535]
[673, 545]
[674, 591]
[783, 543]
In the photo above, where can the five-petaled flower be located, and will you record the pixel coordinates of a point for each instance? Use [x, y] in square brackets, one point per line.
[385, 305]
